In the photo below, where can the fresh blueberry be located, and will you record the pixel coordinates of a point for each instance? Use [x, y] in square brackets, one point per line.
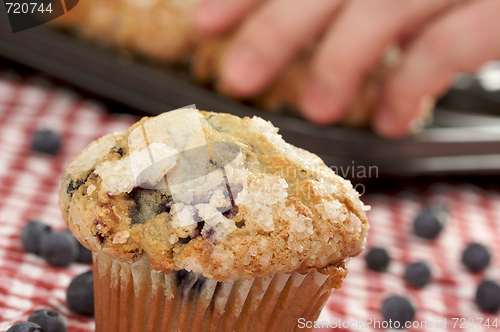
[377, 259]
[46, 141]
[80, 294]
[418, 274]
[398, 310]
[50, 320]
[32, 234]
[429, 223]
[25, 327]
[59, 249]
[488, 296]
[476, 257]
[83, 254]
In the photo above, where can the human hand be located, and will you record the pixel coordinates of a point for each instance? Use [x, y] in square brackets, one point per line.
[438, 38]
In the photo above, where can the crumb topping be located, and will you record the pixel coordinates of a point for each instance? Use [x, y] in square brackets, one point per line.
[212, 194]
[266, 198]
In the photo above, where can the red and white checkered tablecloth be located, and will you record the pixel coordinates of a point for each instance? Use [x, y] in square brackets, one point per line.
[29, 186]
[29, 190]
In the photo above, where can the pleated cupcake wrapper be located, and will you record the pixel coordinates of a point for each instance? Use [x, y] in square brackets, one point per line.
[137, 299]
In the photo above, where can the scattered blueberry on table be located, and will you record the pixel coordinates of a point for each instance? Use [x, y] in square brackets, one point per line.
[31, 235]
[50, 320]
[430, 221]
[377, 259]
[83, 254]
[418, 274]
[46, 141]
[398, 309]
[476, 257]
[488, 296]
[25, 327]
[59, 248]
[80, 294]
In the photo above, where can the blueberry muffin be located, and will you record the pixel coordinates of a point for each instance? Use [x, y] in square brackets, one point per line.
[162, 31]
[207, 221]
[159, 29]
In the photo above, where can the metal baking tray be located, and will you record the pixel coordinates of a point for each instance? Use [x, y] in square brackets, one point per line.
[458, 142]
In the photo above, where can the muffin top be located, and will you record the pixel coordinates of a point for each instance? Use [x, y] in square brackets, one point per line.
[211, 193]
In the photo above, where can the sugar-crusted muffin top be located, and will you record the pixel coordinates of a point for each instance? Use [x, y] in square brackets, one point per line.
[211, 193]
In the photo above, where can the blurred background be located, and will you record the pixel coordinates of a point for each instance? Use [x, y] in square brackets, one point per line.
[59, 76]
[460, 141]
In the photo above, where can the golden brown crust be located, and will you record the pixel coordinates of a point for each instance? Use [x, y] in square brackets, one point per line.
[158, 29]
[292, 212]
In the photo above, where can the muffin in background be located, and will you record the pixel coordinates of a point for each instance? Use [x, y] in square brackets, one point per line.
[162, 31]
[203, 221]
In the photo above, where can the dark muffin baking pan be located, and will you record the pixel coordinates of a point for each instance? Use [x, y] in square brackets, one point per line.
[458, 142]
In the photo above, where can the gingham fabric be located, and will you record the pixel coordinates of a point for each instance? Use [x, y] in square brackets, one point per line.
[29, 190]
[29, 186]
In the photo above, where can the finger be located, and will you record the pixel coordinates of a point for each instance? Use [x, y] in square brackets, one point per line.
[268, 41]
[216, 16]
[353, 46]
[460, 41]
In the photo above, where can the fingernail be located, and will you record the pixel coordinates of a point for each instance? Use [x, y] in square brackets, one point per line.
[416, 126]
[427, 105]
[388, 122]
[394, 123]
[206, 12]
[243, 71]
[319, 104]
[424, 115]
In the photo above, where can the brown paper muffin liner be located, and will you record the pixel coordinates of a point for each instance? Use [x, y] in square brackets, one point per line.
[132, 297]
